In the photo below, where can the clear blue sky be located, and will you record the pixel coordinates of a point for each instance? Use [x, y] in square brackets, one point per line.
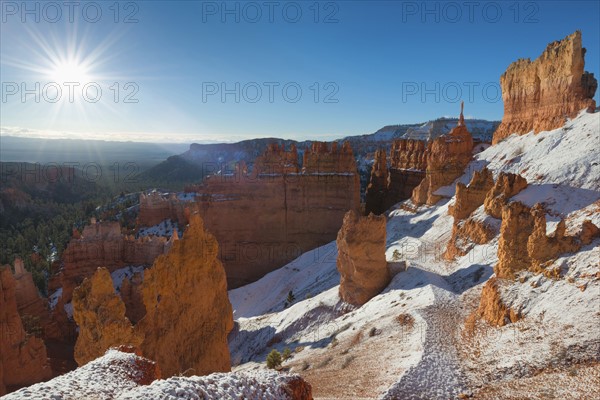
[371, 57]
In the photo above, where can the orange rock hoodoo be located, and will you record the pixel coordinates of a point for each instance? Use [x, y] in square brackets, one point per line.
[507, 185]
[100, 315]
[23, 359]
[268, 217]
[492, 308]
[539, 95]
[447, 157]
[364, 272]
[188, 314]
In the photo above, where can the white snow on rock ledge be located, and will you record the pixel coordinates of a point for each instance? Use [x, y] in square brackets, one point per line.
[115, 376]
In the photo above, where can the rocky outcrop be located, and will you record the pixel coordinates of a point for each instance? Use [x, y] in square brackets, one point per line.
[507, 185]
[469, 198]
[517, 226]
[155, 208]
[23, 359]
[447, 157]
[100, 314]
[188, 314]
[492, 308]
[29, 302]
[377, 192]
[361, 261]
[263, 220]
[467, 230]
[539, 95]
[543, 249]
[100, 245]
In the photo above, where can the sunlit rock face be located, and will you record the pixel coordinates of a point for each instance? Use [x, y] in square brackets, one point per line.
[364, 272]
[539, 95]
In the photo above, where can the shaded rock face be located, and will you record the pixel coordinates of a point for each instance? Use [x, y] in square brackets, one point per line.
[517, 226]
[23, 359]
[507, 185]
[100, 314]
[447, 157]
[131, 293]
[101, 244]
[467, 230]
[266, 218]
[364, 272]
[538, 95]
[492, 308]
[188, 314]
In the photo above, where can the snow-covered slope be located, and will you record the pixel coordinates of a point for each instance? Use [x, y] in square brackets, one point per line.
[409, 341]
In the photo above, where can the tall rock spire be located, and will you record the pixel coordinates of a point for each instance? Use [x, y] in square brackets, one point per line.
[461, 119]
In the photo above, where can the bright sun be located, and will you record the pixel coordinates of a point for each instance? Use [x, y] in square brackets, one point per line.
[70, 71]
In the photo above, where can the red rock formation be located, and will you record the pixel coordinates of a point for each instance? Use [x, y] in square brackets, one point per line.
[364, 272]
[29, 301]
[377, 191]
[408, 154]
[539, 95]
[467, 200]
[276, 160]
[188, 314]
[101, 244]
[543, 249]
[264, 220]
[447, 157]
[100, 314]
[23, 359]
[155, 208]
[492, 308]
[517, 226]
[507, 185]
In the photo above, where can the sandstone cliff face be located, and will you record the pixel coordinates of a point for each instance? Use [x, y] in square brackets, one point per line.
[188, 314]
[264, 220]
[364, 272]
[100, 314]
[446, 160]
[517, 226]
[507, 185]
[539, 95]
[23, 359]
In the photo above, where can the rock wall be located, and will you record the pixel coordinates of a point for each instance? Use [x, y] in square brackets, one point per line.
[154, 208]
[23, 359]
[538, 95]
[100, 314]
[188, 314]
[364, 272]
[266, 218]
[388, 186]
[29, 301]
